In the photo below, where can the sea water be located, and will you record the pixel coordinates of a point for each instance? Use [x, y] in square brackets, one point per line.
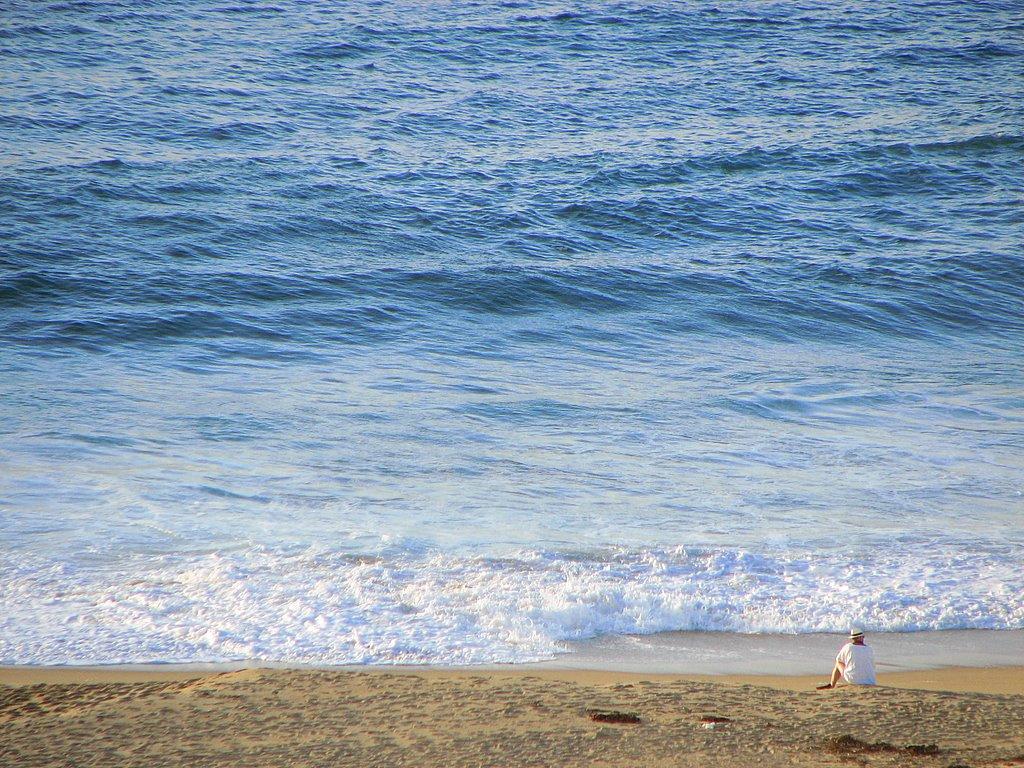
[374, 332]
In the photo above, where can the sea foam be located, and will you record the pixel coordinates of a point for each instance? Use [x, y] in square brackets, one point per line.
[328, 607]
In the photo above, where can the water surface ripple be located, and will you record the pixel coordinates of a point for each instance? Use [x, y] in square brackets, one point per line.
[449, 332]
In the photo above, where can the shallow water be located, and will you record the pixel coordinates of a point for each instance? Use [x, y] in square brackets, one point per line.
[413, 332]
[718, 653]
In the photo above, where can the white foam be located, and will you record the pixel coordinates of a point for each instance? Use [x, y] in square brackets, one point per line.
[336, 608]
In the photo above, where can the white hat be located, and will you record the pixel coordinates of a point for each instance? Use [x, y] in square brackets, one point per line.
[856, 632]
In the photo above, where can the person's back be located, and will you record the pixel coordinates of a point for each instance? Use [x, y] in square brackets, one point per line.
[855, 663]
[858, 664]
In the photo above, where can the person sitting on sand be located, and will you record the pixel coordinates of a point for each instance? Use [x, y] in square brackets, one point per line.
[855, 662]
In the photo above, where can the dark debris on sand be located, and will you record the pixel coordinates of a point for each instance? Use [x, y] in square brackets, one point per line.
[851, 745]
[603, 716]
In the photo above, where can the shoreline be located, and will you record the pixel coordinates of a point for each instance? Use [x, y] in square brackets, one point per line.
[1000, 680]
[968, 660]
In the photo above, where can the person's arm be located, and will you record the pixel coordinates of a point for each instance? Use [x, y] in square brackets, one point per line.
[837, 672]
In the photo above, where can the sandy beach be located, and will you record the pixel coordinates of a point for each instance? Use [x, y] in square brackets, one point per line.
[514, 717]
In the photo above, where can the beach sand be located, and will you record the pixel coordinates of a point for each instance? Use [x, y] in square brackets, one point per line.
[502, 717]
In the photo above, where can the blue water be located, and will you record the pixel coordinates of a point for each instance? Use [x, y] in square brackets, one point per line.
[448, 332]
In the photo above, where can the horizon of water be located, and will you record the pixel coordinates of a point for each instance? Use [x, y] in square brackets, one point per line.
[430, 333]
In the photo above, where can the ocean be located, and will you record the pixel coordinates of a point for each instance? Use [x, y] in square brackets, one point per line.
[451, 333]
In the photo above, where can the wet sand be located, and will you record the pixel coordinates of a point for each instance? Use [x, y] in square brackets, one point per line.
[497, 717]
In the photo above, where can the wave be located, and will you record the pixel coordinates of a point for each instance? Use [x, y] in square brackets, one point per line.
[238, 131]
[874, 158]
[938, 55]
[413, 606]
[336, 50]
[796, 300]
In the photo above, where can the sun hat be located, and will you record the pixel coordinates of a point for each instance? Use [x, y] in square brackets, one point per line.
[856, 632]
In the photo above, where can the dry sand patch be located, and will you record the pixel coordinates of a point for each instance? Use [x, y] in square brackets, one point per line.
[256, 718]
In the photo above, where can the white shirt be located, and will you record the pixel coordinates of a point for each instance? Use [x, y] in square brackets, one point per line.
[859, 661]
